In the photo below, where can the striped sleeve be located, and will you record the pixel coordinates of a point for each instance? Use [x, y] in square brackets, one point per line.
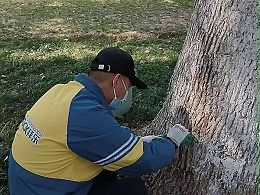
[156, 155]
[120, 152]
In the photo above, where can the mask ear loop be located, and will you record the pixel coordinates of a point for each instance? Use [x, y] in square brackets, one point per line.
[114, 90]
[114, 93]
[123, 83]
[126, 91]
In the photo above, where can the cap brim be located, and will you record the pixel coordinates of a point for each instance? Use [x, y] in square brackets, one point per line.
[138, 83]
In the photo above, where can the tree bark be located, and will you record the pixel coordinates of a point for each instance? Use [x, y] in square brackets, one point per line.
[214, 91]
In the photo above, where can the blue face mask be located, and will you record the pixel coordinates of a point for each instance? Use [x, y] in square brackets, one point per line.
[117, 103]
[125, 107]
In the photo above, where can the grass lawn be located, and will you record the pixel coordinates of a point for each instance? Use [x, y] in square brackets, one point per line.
[44, 42]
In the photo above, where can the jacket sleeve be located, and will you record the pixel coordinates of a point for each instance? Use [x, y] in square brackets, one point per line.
[93, 133]
[156, 155]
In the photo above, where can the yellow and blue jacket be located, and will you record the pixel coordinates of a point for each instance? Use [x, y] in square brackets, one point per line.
[69, 136]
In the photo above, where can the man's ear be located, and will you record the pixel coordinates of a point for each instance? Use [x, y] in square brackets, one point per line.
[116, 79]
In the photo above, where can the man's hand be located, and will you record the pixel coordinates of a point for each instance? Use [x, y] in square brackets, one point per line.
[179, 134]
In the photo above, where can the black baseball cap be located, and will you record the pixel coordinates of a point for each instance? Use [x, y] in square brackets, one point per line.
[115, 60]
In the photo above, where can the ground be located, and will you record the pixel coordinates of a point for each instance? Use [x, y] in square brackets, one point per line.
[97, 19]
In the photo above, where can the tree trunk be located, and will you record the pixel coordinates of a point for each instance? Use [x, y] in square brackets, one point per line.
[214, 92]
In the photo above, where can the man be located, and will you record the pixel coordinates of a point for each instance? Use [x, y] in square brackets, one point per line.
[70, 139]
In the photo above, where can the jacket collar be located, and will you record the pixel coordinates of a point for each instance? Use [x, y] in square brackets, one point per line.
[93, 87]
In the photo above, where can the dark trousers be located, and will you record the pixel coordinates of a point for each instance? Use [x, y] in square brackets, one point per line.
[108, 183]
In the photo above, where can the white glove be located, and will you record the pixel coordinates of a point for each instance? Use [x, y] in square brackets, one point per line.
[150, 138]
[179, 134]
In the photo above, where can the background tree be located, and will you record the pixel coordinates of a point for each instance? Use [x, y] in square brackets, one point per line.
[214, 92]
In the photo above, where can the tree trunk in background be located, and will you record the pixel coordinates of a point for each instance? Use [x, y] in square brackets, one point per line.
[214, 92]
